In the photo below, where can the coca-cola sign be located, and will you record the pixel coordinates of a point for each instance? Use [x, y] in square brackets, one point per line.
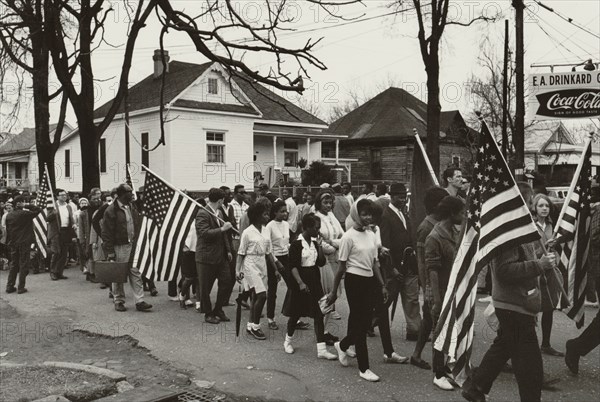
[568, 95]
[584, 102]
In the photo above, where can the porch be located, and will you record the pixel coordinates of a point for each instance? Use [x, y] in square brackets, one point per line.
[13, 172]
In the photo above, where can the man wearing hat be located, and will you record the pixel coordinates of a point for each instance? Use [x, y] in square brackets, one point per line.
[396, 236]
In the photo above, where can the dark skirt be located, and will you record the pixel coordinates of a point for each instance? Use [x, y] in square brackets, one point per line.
[303, 304]
[188, 265]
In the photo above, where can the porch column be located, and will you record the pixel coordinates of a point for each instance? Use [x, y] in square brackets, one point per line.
[274, 151]
[308, 151]
[337, 152]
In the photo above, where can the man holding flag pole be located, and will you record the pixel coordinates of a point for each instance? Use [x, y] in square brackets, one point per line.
[499, 232]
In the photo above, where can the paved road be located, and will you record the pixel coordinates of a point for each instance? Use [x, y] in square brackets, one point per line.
[261, 368]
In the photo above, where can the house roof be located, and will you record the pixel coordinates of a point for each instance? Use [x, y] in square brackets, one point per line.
[283, 131]
[146, 94]
[542, 133]
[23, 141]
[394, 113]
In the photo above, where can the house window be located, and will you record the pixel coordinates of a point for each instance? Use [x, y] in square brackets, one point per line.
[215, 147]
[102, 157]
[145, 152]
[18, 171]
[376, 170]
[328, 149]
[290, 153]
[67, 163]
[213, 86]
[456, 160]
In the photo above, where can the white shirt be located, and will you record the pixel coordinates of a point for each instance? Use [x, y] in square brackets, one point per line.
[191, 238]
[280, 237]
[309, 252]
[350, 198]
[399, 213]
[292, 209]
[359, 250]
[63, 210]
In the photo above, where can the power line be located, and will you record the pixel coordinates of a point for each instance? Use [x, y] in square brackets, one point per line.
[569, 20]
[552, 38]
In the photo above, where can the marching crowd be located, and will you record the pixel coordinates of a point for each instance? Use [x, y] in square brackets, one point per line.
[322, 245]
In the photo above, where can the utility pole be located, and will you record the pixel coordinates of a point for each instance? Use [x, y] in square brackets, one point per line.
[519, 134]
[505, 94]
[126, 107]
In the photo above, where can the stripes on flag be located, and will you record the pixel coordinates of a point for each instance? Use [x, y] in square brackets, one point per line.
[574, 235]
[166, 220]
[497, 220]
[44, 200]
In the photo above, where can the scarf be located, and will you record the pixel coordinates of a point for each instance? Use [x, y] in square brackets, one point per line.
[358, 222]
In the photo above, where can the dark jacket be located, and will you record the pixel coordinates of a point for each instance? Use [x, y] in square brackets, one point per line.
[440, 250]
[97, 219]
[516, 280]
[19, 225]
[212, 246]
[54, 225]
[114, 227]
[396, 237]
[422, 232]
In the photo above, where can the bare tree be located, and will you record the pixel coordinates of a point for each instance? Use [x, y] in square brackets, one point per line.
[432, 25]
[24, 52]
[212, 39]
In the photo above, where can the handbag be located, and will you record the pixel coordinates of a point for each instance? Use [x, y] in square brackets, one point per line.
[111, 271]
[325, 308]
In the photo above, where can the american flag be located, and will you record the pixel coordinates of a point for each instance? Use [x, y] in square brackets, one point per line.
[166, 219]
[129, 182]
[497, 219]
[40, 226]
[574, 235]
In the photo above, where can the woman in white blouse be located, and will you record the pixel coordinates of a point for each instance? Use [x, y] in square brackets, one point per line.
[331, 232]
[279, 230]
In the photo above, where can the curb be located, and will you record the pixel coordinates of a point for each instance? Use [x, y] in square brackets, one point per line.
[113, 375]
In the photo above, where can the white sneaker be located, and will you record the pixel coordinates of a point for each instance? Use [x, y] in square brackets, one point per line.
[287, 345]
[188, 302]
[342, 356]
[323, 353]
[485, 299]
[369, 375]
[351, 352]
[443, 383]
[395, 358]
[173, 298]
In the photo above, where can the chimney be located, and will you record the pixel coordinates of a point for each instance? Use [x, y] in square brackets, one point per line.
[158, 66]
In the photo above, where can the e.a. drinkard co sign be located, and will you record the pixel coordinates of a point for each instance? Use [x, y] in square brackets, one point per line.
[569, 95]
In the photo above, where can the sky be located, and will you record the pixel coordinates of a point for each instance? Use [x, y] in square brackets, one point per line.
[365, 56]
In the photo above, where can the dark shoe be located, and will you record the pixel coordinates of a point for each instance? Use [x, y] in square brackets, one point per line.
[143, 306]
[110, 295]
[88, 277]
[258, 334]
[420, 363]
[153, 292]
[550, 351]
[222, 317]
[53, 276]
[229, 304]
[571, 358]
[182, 304]
[93, 278]
[120, 307]
[330, 339]
[549, 385]
[412, 337]
[103, 286]
[302, 325]
[211, 319]
[21, 291]
[471, 393]
[62, 277]
[11, 289]
[273, 325]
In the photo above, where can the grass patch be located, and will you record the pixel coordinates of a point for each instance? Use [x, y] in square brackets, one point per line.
[34, 382]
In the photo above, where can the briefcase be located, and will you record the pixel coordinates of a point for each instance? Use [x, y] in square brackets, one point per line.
[111, 272]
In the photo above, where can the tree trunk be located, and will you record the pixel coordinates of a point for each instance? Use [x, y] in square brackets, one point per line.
[90, 165]
[432, 67]
[41, 100]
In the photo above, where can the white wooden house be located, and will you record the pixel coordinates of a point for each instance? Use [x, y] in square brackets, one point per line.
[218, 131]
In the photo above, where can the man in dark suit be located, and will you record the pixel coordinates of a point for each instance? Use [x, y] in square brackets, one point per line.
[61, 223]
[213, 255]
[396, 236]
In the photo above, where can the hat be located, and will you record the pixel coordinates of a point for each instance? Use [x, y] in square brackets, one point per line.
[336, 186]
[263, 186]
[84, 199]
[397, 188]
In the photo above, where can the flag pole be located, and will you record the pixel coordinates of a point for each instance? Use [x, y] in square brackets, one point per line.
[52, 195]
[187, 196]
[572, 186]
[425, 157]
